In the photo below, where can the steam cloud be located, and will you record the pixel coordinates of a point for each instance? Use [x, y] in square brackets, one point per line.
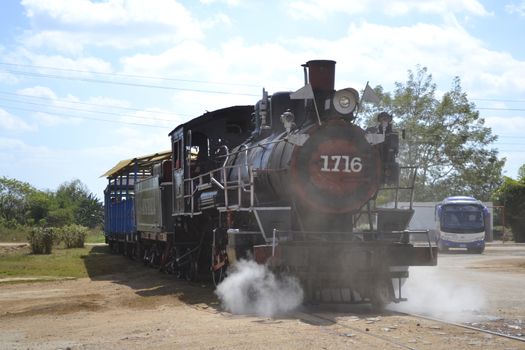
[253, 289]
[434, 293]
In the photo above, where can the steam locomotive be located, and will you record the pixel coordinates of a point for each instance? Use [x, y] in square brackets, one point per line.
[292, 182]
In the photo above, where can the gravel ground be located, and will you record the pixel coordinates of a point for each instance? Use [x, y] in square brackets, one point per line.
[145, 308]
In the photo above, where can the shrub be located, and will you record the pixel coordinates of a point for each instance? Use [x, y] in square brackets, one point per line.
[41, 240]
[512, 195]
[73, 236]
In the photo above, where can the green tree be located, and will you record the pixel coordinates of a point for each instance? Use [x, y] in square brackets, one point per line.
[90, 211]
[521, 172]
[511, 194]
[14, 199]
[72, 203]
[39, 205]
[446, 138]
[77, 205]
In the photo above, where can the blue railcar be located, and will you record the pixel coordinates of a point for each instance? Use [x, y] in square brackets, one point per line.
[120, 227]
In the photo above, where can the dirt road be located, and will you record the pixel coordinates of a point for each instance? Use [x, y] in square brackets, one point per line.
[145, 308]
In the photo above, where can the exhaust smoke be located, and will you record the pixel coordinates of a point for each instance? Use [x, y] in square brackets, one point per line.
[435, 293]
[253, 289]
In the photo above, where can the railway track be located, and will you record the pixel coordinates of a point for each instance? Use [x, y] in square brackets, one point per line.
[472, 328]
[366, 332]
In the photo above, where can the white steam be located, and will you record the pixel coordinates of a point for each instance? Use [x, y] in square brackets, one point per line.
[251, 288]
[433, 293]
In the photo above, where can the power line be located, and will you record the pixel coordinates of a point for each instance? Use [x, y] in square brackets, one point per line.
[90, 80]
[89, 104]
[496, 100]
[137, 76]
[129, 75]
[83, 117]
[85, 110]
[67, 108]
[500, 109]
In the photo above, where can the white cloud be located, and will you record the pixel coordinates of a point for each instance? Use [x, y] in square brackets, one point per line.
[518, 8]
[17, 152]
[114, 12]
[383, 54]
[7, 77]
[53, 119]
[506, 125]
[219, 19]
[227, 2]
[63, 42]
[254, 66]
[38, 91]
[10, 122]
[320, 9]
[380, 54]
[133, 23]
[439, 7]
[78, 64]
[153, 116]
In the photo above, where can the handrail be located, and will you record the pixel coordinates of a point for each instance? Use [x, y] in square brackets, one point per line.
[218, 178]
[410, 186]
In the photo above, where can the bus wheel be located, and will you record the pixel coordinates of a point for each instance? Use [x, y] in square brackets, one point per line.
[442, 248]
[476, 250]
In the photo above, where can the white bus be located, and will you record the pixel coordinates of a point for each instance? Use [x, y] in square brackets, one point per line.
[462, 222]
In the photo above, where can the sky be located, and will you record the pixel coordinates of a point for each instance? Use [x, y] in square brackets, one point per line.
[85, 83]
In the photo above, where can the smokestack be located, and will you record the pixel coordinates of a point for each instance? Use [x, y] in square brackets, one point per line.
[321, 74]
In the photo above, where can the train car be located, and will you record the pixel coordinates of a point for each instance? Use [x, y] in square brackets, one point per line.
[291, 182]
[135, 182]
[462, 222]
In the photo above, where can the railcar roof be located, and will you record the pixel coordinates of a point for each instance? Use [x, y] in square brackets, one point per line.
[228, 112]
[127, 166]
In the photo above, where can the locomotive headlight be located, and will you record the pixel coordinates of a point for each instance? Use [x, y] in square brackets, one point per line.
[345, 101]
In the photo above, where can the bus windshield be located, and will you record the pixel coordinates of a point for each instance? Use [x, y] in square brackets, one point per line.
[462, 218]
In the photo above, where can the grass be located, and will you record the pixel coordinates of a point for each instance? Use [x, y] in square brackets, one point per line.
[76, 262]
[95, 236]
[8, 235]
[11, 235]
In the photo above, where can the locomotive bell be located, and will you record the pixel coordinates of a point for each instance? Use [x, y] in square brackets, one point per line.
[288, 120]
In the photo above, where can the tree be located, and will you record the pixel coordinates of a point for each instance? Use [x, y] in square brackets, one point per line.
[90, 211]
[14, 199]
[77, 205]
[446, 139]
[21, 203]
[39, 205]
[521, 172]
[511, 194]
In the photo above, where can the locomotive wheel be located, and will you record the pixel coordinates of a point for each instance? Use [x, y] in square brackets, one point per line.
[219, 257]
[382, 294]
[218, 275]
[191, 270]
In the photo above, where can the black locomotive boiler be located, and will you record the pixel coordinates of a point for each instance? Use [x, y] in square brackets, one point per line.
[292, 182]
